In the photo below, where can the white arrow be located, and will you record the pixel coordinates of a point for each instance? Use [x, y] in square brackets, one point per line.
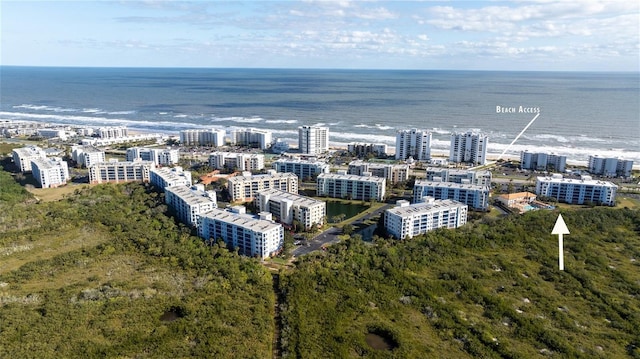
[560, 228]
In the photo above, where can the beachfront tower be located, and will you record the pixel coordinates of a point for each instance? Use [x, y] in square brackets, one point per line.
[468, 147]
[313, 140]
[413, 143]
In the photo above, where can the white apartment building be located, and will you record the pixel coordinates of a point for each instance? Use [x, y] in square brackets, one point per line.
[53, 133]
[160, 156]
[437, 174]
[474, 196]
[342, 185]
[213, 137]
[22, 156]
[287, 207]
[542, 161]
[577, 191]
[410, 220]
[468, 147]
[87, 155]
[116, 172]
[252, 137]
[112, 132]
[237, 161]
[169, 177]
[50, 172]
[363, 149]
[256, 237]
[413, 143]
[313, 140]
[610, 167]
[188, 203]
[304, 169]
[245, 188]
[394, 173]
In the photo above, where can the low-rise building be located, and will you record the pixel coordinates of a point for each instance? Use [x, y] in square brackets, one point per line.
[394, 173]
[245, 188]
[304, 169]
[116, 172]
[287, 207]
[474, 196]
[53, 133]
[50, 172]
[251, 235]
[188, 203]
[364, 149]
[437, 174]
[22, 156]
[577, 191]
[236, 161]
[342, 185]
[87, 155]
[169, 177]
[410, 220]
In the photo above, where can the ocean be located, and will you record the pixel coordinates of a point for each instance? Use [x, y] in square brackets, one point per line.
[581, 114]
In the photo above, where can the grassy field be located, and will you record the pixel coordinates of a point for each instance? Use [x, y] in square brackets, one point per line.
[55, 194]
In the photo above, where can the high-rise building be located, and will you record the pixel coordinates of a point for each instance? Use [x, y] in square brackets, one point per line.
[160, 156]
[213, 137]
[364, 149]
[468, 147]
[610, 167]
[410, 220]
[413, 143]
[112, 132]
[313, 140]
[252, 137]
[251, 235]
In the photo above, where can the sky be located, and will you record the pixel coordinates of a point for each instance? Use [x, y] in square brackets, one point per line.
[536, 35]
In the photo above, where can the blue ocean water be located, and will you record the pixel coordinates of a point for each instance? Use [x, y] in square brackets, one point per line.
[580, 113]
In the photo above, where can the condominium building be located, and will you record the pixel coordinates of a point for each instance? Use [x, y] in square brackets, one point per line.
[50, 172]
[413, 143]
[394, 173]
[542, 161]
[468, 147]
[304, 169]
[213, 137]
[313, 140]
[251, 235]
[437, 174]
[22, 156]
[236, 161]
[365, 149]
[53, 133]
[474, 196]
[252, 137]
[342, 185]
[87, 155]
[169, 177]
[610, 167]
[577, 191]
[160, 156]
[112, 132]
[188, 203]
[410, 220]
[287, 207]
[245, 188]
[114, 171]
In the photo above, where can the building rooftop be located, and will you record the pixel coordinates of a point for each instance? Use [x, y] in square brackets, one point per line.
[243, 220]
[288, 196]
[379, 180]
[585, 181]
[46, 163]
[450, 185]
[191, 196]
[263, 177]
[28, 151]
[425, 207]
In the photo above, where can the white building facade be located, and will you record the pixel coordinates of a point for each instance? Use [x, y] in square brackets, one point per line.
[413, 143]
[577, 191]
[252, 137]
[480, 178]
[474, 196]
[22, 156]
[468, 147]
[113, 132]
[87, 155]
[410, 220]
[117, 172]
[252, 236]
[304, 169]
[50, 172]
[610, 167]
[313, 140]
[245, 188]
[394, 173]
[236, 161]
[160, 156]
[213, 137]
[188, 203]
[287, 207]
[365, 149]
[169, 177]
[364, 188]
[542, 161]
